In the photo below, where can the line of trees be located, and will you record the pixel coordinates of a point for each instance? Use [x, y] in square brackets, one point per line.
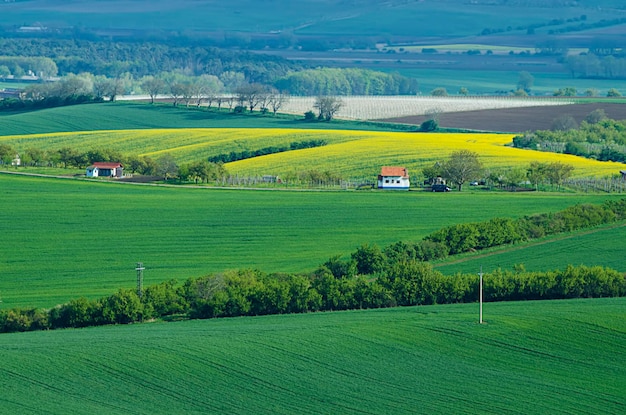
[463, 166]
[253, 293]
[398, 275]
[246, 154]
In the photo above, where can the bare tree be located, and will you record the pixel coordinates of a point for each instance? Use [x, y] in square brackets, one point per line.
[250, 95]
[277, 100]
[153, 87]
[327, 107]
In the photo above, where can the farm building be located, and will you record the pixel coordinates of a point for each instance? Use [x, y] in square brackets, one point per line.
[395, 178]
[623, 173]
[101, 169]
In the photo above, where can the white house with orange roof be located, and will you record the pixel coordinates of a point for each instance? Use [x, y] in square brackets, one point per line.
[395, 178]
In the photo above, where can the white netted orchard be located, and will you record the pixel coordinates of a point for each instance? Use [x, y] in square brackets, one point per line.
[381, 107]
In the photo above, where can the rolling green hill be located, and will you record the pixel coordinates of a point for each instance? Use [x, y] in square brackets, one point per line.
[64, 239]
[363, 19]
[529, 358]
[125, 116]
[596, 246]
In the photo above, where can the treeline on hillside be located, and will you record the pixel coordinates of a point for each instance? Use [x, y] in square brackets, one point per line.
[372, 278]
[349, 81]
[112, 59]
[253, 293]
[596, 67]
[246, 154]
[469, 237]
[597, 137]
[124, 62]
[164, 166]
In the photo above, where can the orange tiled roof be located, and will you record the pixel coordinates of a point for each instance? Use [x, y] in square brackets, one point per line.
[394, 171]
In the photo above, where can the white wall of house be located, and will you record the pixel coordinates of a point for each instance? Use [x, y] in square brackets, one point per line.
[393, 182]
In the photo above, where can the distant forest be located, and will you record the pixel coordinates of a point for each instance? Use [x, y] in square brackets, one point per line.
[129, 60]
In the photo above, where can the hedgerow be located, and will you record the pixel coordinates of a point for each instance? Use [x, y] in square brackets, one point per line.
[398, 275]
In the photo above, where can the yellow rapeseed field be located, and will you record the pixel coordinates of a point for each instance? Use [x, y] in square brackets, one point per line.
[354, 154]
[364, 156]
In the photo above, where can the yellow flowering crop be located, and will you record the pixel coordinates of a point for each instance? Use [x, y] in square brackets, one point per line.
[355, 154]
[363, 157]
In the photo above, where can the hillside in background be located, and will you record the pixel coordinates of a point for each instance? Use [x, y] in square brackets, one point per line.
[314, 23]
[531, 357]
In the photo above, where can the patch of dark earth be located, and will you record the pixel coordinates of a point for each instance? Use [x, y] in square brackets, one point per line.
[515, 120]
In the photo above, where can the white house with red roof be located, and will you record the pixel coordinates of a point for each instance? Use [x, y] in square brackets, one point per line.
[395, 178]
[102, 169]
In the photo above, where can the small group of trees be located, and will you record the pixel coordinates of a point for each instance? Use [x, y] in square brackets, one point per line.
[460, 167]
[464, 166]
[596, 137]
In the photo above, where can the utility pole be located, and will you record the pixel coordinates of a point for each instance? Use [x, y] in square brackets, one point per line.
[139, 270]
[480, 294]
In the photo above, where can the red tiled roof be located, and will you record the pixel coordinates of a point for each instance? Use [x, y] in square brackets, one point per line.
[394, 171]
[103, 165]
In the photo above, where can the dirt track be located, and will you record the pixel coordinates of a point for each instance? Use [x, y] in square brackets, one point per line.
[517, 119]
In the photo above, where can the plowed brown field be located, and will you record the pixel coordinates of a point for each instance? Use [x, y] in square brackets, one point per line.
[517, 119]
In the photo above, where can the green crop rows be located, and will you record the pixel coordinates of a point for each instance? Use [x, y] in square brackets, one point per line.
[530, 358]
[598, 246]
[64, 239]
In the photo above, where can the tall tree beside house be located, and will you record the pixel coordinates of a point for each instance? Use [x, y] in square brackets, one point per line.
[461, 167]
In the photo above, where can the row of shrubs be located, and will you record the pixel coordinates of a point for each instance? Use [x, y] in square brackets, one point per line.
[397, 275]
[246, 154]
[252, 293]
[11, 104]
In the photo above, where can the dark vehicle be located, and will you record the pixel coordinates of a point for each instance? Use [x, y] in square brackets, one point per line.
[440, 188]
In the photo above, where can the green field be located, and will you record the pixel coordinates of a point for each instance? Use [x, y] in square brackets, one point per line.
[598, 246]
[529, 358]
[125, 116]
[63, 239]
[491, 81]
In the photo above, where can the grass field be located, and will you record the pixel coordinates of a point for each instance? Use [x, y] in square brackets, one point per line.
[491, 81]
[530, 358]
[590, 247]
[63, 239]
[128, 116]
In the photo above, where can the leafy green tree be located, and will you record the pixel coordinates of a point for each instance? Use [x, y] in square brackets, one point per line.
[463, 91]
[429, 125]
[369, 259]
[613, 93]
[461, 166]
[166, 167]
[439, 92]
[537, 173]
[7, 153]
[564, 123]
[558, 172]
[123, 307]
[525, 82]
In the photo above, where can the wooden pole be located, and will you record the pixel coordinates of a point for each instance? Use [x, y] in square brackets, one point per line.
[480, 295]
